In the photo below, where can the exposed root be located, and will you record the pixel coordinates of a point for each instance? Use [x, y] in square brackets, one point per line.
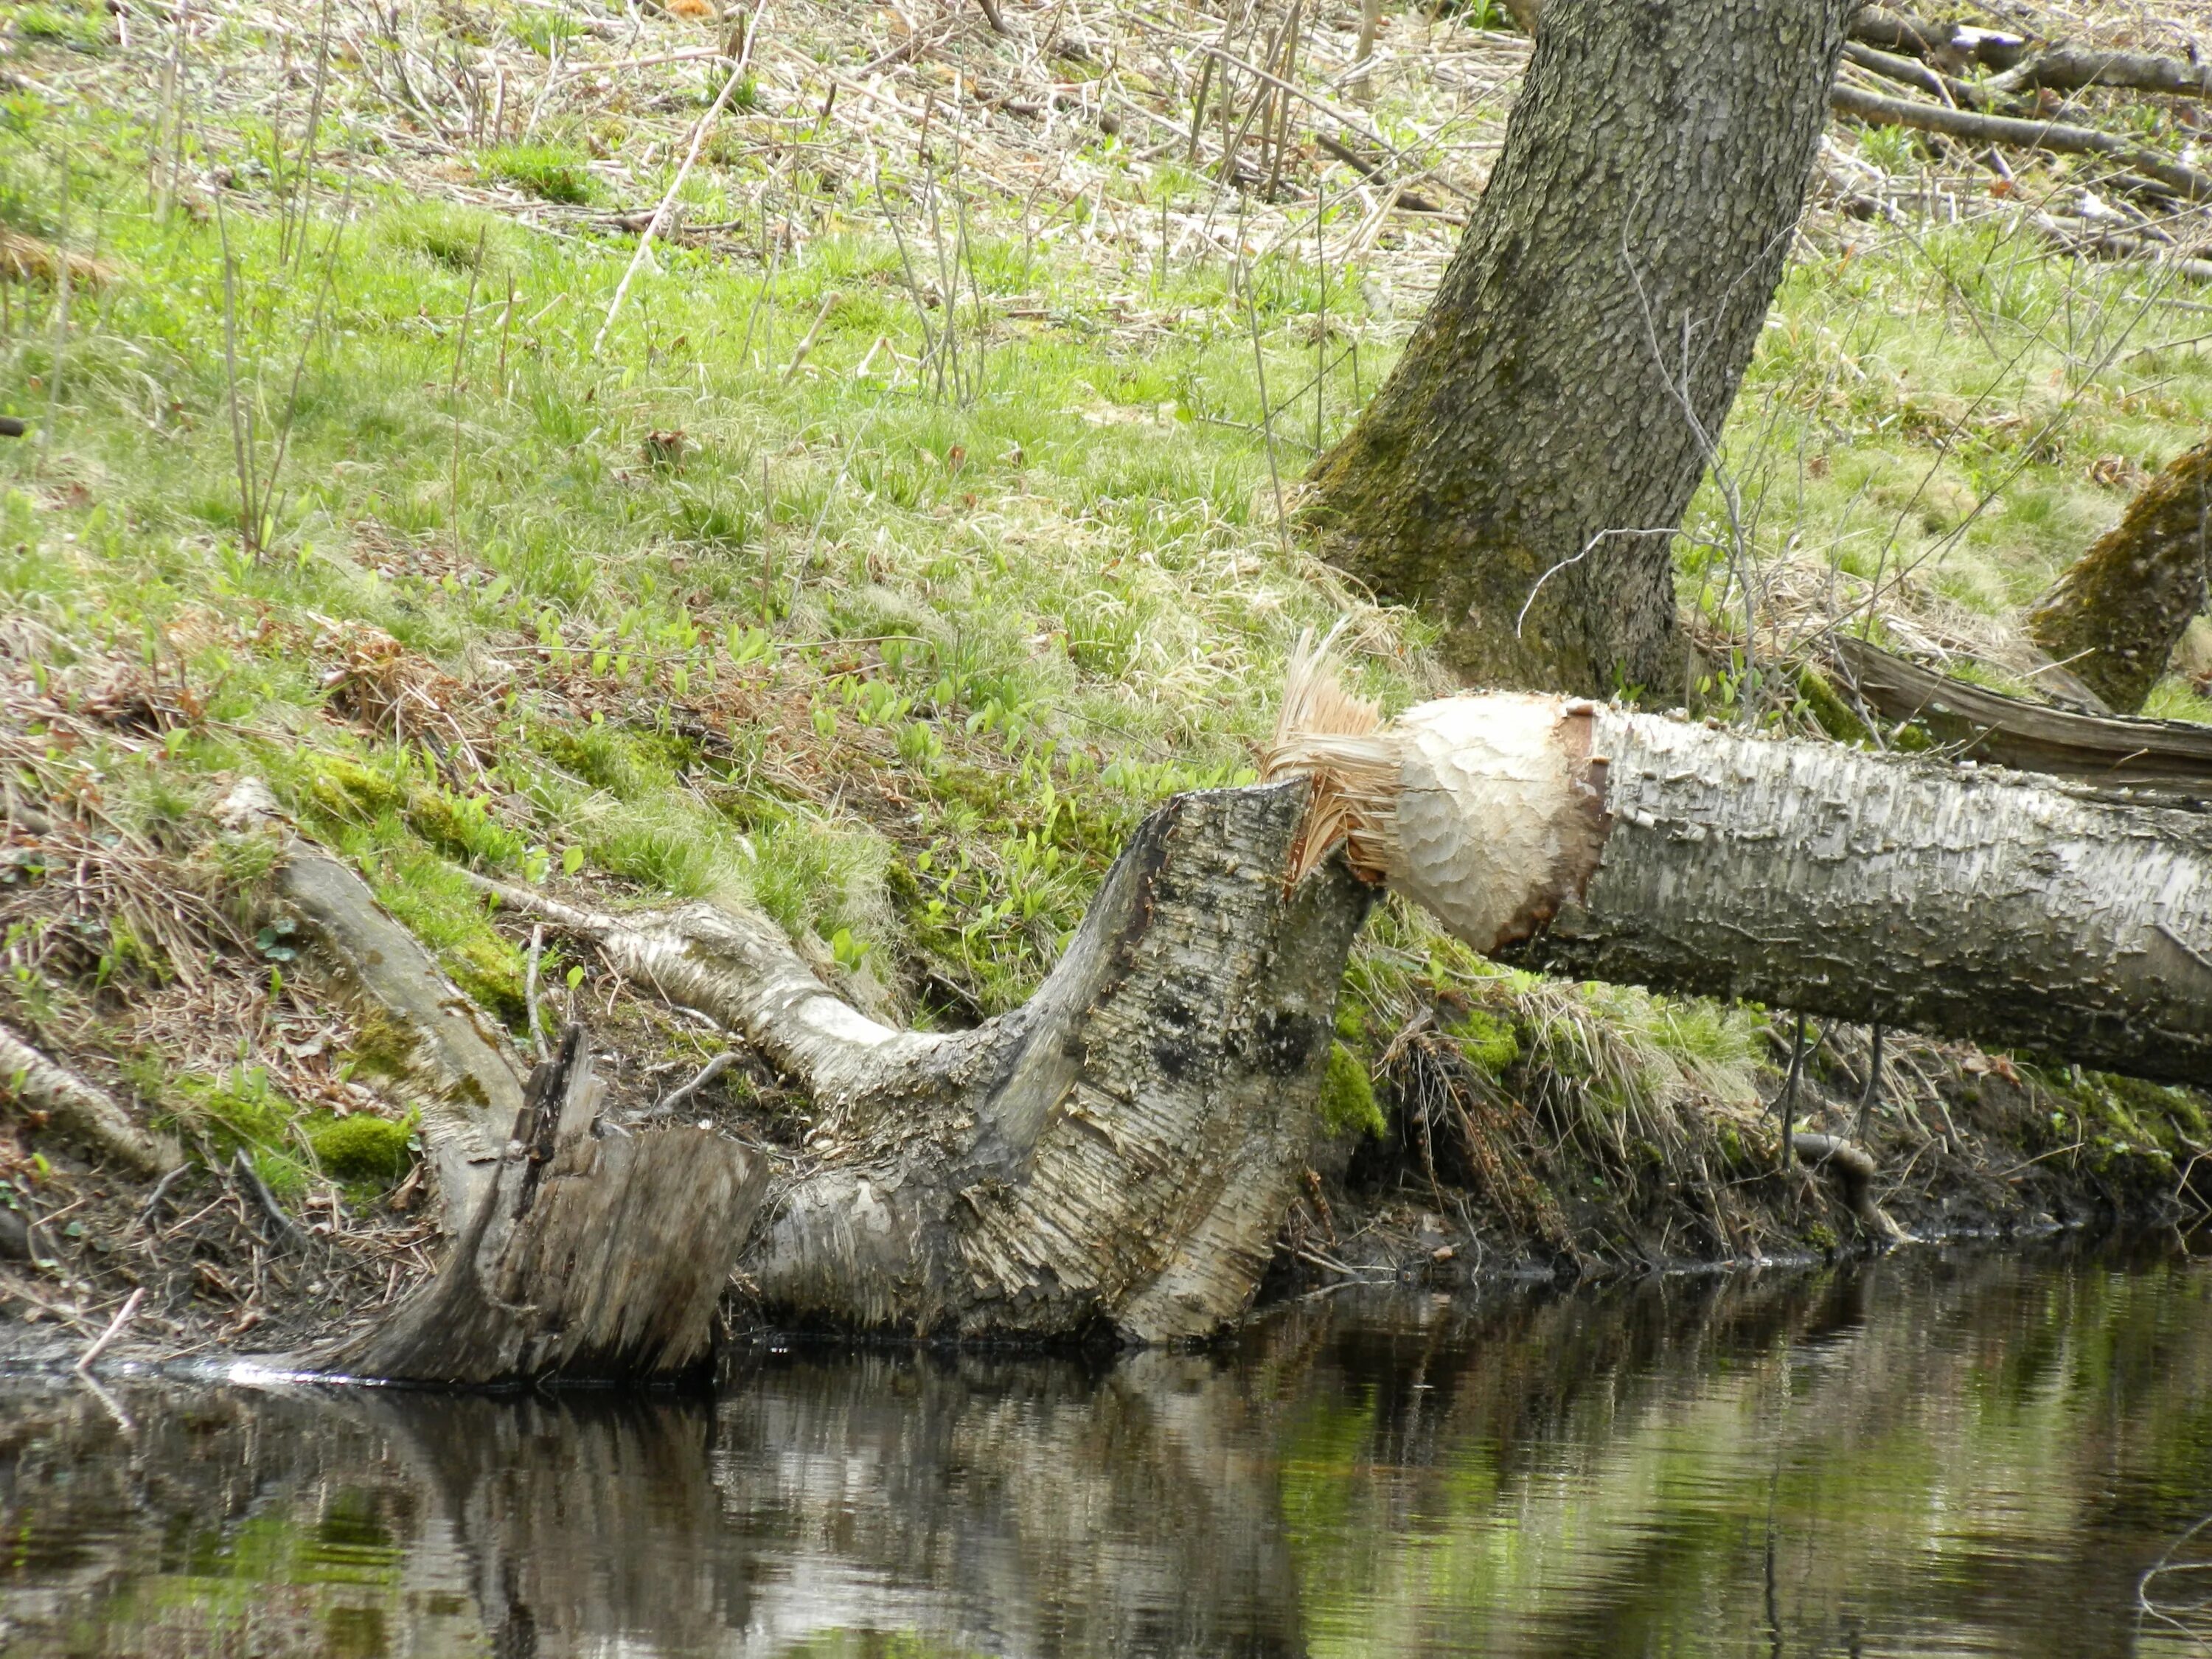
[1853, 1169]
[469, 1089]
[740, 970]
[80, 1110]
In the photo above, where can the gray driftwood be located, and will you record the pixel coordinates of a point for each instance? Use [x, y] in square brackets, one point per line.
[1115, 1155]
[590, 1253]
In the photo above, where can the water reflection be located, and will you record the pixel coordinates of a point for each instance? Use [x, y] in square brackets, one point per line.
[1929, 1455]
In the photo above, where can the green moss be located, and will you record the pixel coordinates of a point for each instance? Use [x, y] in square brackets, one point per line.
[361, 1147]
[348, 790]
[490, 970]
[382, 1047]
[1833, 713]
[1347, 1102]
[1488, 1042]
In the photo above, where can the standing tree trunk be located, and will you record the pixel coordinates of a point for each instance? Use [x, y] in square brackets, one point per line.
[2114, 615]
[1536, 447]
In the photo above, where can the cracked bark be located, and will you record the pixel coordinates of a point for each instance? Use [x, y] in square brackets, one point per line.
[1546, 414]
[1114, 1156]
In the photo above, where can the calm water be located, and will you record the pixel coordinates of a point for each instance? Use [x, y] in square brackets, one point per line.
[1933, 1454]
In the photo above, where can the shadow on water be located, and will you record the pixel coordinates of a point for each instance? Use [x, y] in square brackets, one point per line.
[1936, 1453]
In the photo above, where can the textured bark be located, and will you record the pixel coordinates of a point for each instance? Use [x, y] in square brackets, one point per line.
[591, 1254]
[1117, 1154]
[1550, 418]
[1591, 841]
[1872, 889]
[2115, 615]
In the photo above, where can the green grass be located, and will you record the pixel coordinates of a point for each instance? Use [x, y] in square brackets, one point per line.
[557, 172]
[898, 652]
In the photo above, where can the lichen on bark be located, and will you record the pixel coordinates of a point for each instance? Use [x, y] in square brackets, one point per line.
[2114, 615]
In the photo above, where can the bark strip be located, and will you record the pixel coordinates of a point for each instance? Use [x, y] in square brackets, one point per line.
[2167, 757]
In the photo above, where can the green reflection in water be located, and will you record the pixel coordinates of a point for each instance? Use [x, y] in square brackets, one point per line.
[1936, 1455]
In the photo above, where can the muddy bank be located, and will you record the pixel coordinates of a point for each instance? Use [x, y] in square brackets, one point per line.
[1471, 1178]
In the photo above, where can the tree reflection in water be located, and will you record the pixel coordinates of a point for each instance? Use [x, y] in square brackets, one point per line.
[1934, 1453]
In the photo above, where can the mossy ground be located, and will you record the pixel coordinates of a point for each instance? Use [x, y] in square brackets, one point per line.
[894, 547]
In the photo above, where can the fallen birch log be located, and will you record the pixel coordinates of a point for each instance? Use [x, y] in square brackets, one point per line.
[1586, 839]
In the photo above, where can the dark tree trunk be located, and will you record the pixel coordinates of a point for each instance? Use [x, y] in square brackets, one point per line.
[2114, 615]
[1553, 414]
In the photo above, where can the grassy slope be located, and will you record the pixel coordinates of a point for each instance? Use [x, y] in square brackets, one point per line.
[900, 662]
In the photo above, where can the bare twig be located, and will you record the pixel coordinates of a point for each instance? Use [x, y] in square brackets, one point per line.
[100, 1344]
[660, 214]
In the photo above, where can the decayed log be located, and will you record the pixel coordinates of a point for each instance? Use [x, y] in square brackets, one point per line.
[2116, 613]
[1592, 841]
[1115, 1155]
[580, 1251]
[2165, 757]
[80, 1109]
[590, 1254]
[2188, 183]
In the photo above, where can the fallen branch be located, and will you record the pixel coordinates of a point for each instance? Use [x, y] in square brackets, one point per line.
[2073, 68]
[1954, 45]
[2187, 182]
[2167, 757]
[645, 240]
[2092, 239]
[82, 1110]
[1412, 202]
[1912, 72]
[100, 1344]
